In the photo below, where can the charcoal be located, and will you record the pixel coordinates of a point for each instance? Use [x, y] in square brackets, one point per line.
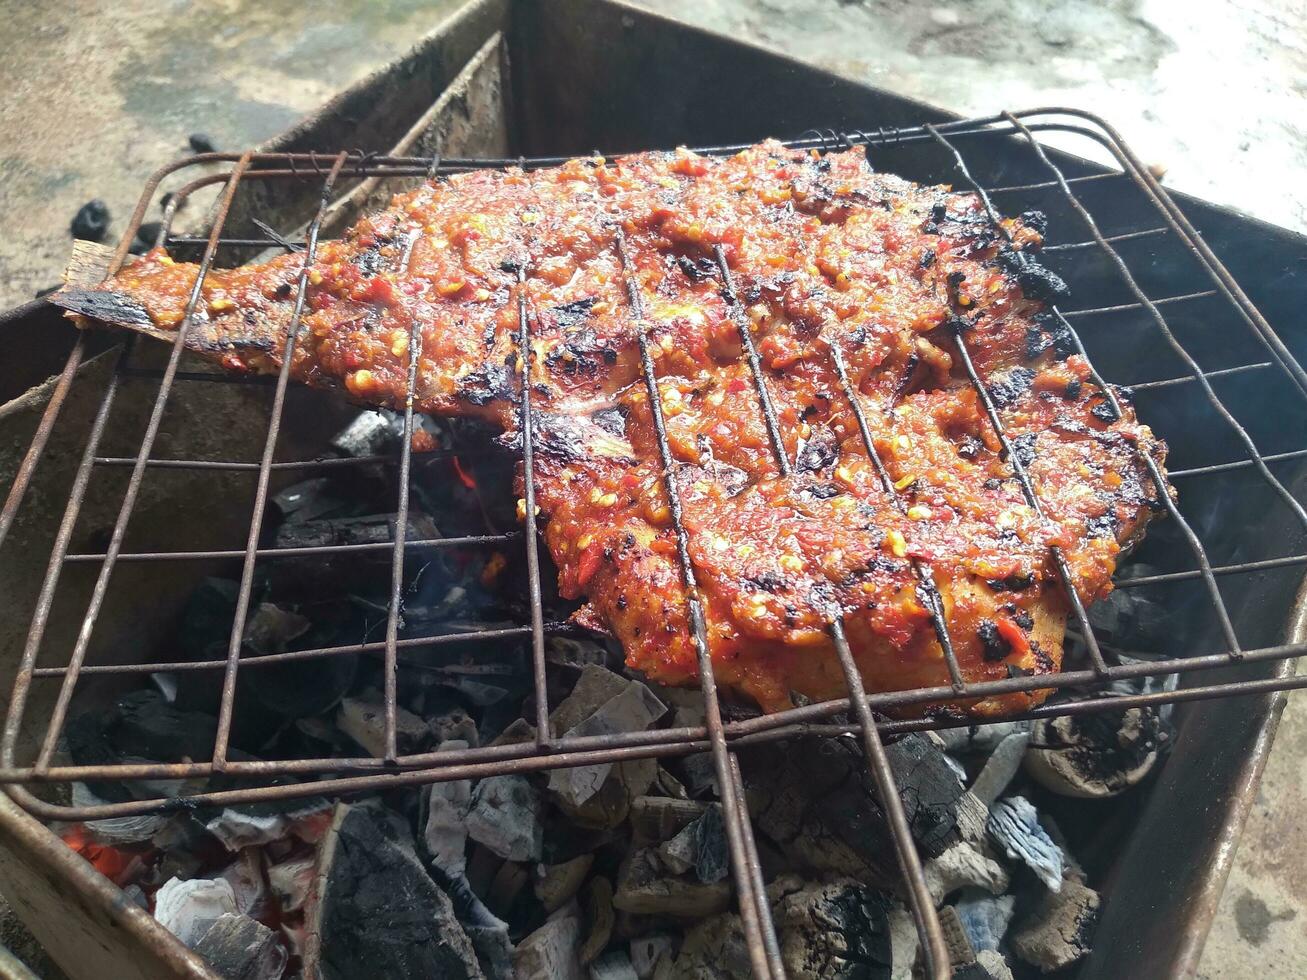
[202, 143]
[91, 222]
[956, 941]
[814, 801]
[964, 864]
[598, 906]
[713, 948]
[117, 831]
[258, 824]
[239, 948]
[136, 895]
[371, 433]
[380, 913]
[363, 719]
[615, 965]
[290, 882]
[1014, 826]
[1000, 768]
[272, 629]
[549, 953]
[144, 725]
[570, 651]
[245, 875]
[984, 917]
[700, 775]
[188, 908]
[1095, 756]
[643, 888]
[449, 721]
[835, 931]
[648, 951]
[1060, 930]
[979, 739]
[993, 964]
[658, 818]
[308, 500]
[633, 709]
[493, 948]
[505, 817]
[505, 888]
[557, 883]
[445, 828]
[700, 846]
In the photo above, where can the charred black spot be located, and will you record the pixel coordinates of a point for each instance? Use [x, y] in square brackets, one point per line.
[570, 314]
[1023, 448]
[1013, 671]
[1046, 665]
[769, 581]
[1013, 583]
[820, 450]
[1023, 618]
[1036, 342]
[1073, 390]
[1103, 411]
[103, 304]
[621, 602]
[581, 352]
[992, 644]
[612, 421]
[487, 384]
[511, 266]
[697, 269]
[1034, 280]
[369, 260]
[970, 447]
[927, 258]
[1103, 526]
[628, 541]
[1006, 391]
[823, 491]
[1036, 221]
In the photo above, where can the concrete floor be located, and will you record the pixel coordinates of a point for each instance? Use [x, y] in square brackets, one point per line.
[97, 96]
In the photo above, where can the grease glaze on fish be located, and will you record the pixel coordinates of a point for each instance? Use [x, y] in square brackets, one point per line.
[825, 255]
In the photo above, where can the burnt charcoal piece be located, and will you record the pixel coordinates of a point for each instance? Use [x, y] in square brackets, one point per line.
[1097, 755]
[1014, 826]
[239, 948]
[202, 143]
[148, 232]
[819, 804]
[836, 931]
[381, 914]
[1061, 930]
[143, 724]
[91, 221]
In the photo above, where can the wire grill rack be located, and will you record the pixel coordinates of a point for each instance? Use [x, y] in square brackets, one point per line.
[1157, 218]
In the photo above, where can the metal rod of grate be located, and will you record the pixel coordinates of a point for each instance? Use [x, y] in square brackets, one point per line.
[853, 714]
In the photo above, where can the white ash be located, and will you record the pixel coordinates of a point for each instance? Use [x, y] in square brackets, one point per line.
[598, 897]
[505, 817]
[290, 882]
[188, 908]
[905, 942]
[979, 739]
[550, 953]
[961, 865]
[117, 830]
[245, 875]
[994, 965]
[984, 917]
[448, 806]
[1014, 826]
[644, 888]
[1000, 768]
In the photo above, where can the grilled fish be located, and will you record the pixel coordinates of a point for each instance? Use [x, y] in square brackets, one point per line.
[837, 280]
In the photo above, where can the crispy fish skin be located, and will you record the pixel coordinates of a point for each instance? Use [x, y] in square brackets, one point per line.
[825, 255]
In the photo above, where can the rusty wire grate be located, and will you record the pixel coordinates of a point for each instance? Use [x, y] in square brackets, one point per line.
[1161, 219]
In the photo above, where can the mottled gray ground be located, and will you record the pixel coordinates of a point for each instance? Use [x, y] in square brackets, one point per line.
[97, 96]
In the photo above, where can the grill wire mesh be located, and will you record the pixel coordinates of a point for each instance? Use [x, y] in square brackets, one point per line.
[1158, 219]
